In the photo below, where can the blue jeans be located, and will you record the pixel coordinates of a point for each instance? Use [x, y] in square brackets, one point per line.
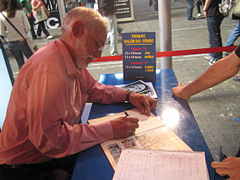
[190, 7]
[19, 48]
[214, 29]
[234, 35]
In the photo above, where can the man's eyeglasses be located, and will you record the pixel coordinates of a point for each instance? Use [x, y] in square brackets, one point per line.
[100, 47]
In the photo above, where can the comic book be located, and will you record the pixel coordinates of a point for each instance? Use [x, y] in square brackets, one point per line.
[152, 134]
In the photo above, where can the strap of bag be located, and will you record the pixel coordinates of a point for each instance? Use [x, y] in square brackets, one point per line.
[13, 26]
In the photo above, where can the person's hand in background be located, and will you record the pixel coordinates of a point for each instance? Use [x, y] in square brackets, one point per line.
[229, 166]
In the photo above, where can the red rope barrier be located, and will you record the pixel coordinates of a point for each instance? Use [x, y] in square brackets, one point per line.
[173, 53]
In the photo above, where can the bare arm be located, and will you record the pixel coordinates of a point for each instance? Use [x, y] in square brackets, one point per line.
[206, 6]
[219, 72]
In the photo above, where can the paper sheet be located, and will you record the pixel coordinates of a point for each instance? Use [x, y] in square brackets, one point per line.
[135, 164]
[146, 123]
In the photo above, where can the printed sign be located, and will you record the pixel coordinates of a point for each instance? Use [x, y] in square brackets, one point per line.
[124, 10]
[139, 56]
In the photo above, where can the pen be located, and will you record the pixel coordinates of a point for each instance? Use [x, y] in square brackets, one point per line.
[125, 112]
[222, 156]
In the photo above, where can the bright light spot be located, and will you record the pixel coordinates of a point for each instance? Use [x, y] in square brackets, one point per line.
[170, 117]
[118, 75]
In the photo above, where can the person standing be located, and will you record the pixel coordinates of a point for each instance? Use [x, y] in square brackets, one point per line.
[234, 35]
[214, 20]
[27, 9]
[107, 10]
[40, 14]
[190, 7]
[10, 11]
[199, 4]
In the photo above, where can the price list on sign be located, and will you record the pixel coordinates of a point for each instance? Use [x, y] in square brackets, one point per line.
[139, 56]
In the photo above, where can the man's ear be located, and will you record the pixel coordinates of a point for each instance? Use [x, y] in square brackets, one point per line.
[78, 29]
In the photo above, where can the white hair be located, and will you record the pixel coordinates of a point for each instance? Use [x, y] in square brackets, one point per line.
[87, 16]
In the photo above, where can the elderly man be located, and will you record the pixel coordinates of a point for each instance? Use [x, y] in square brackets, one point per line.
[220, 71]
[41, 130]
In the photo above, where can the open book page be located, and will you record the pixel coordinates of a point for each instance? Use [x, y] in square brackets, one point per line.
[160, 138]
[151, 134]
[170, 165]
[146, 123]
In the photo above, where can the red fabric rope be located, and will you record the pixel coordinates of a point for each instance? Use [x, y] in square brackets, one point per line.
[173, 53]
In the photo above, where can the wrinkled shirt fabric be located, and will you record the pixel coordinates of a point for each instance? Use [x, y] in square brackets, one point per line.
[47, 99]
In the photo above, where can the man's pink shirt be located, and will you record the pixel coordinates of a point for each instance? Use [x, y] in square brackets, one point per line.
[45, 106]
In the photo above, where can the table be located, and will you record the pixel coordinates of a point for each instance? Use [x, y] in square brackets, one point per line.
[92, 164]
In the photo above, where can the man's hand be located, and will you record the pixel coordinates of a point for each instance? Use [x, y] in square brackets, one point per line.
[124, 126]
[229, 166]
[177, 91]
[144, 103]
[205, 13]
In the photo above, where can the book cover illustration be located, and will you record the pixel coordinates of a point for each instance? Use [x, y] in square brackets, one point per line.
[140, 87]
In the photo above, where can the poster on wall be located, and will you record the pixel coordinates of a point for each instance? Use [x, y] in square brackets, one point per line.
[139, 56]
[53, 22]
[124, 10]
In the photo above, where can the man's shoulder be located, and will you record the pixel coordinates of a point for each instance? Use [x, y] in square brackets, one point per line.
[48, 54]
